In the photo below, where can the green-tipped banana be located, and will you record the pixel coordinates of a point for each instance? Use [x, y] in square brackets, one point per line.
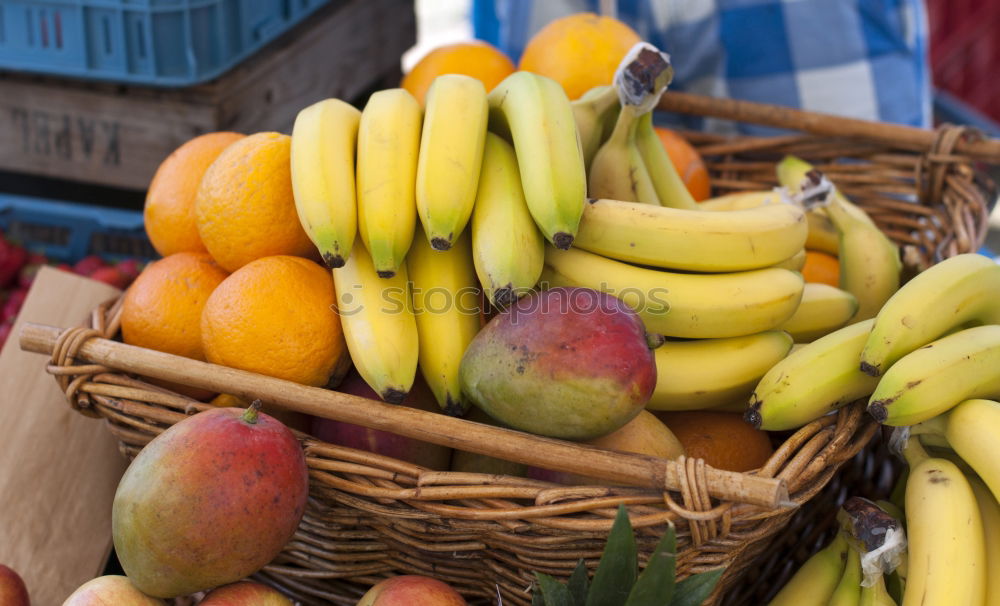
[536, 115]
[956, 292]
[812, 381]
[508, 249]
[939, 375]
[451, 154]
[708, 373]
[618, 171]
[595, 114]
[848, 590]
[670, 188]
[817, 579]
[876, 595]
[823, 309]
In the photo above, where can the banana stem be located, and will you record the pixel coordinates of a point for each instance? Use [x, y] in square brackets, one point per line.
[938, 426]
[914, 452]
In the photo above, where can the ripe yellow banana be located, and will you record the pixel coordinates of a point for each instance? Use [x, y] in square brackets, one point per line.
[947, 552]
[684, 305]
[379, 326]
[962, 290]
[741, 200]
[670, 188]
[507, 248]
[692, 240]
[812, 381]
[451, 154]
[939, 375]
[618, 171]
[822, 233]
[848, 590]
[876, 595]
[446, 305]
[989, 510]
[823, 309]
[388, 147]
[791, 173]
[709, 373]
[536, 114]
[817, 579]
[794, 263]
[324, 140]
[592, 112]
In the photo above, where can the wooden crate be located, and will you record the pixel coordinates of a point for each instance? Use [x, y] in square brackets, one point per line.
[116, 135]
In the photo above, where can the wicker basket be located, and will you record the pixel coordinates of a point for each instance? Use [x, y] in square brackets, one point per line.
[371, 516]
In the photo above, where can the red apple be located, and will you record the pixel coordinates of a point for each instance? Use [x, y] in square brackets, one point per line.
[245, 593]
[12, 258]
[13, 592]
[111, 590]
[88, 265]
[65, 267]
[110, 275]
[130, 268]
[13, 305]
[411, 590]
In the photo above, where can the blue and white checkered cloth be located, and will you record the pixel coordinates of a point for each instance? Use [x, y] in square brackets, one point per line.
[858, 58]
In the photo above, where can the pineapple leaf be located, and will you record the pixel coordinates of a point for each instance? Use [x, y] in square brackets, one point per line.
[693, 590]
[656, 583]
[579, 583]
[537, 599]
[618, 567]
[553, 593]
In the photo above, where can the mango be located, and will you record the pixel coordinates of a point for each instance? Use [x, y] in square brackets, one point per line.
[106, 590]
[211, 500]
[411, 590]
[570, 363]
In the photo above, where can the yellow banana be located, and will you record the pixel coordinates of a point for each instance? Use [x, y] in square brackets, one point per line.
[536, 114]
[684, 305]
[592, 111]
[812, 381]
[959, 291]
[971, 429]
[989, 510]
[848, 590]
[379, 327]
[939, 375]
[712, 373]
[742, 200]
[822, 234]
[446, 305]
[692, 240]
[618, 171]
[324, 140]
[876, 595]
[947, 552]
[817, 579]
[451, 154]
[388, 147]
[508, 249]
[794, 263]
[670, 188]
[791, 173]
[823, 309]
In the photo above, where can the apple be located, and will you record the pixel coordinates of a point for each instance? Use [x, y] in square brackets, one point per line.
[13, 305]
[130, 268]
[110, 275]
[13, 592]
[12, 258]
[88, 265]
[245, 593]
[110, 590]
[411, 590]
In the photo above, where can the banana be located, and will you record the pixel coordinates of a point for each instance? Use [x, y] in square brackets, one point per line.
[592, 112]
[817, 579]
[962, 290]
[618, 171]
[536, 114]
[451, 154]
[989, 510]
[794, 263]
[388, 148]
[742, 200]
[939, 375]
[876, 595]
[823, 309]
[379, 327]
[971, 430]
[507, 248]
[684, 305]
[947, 552]
[791, 173]
[812, 381]
[692, 240]
[709, 373]
[848, 590]
[446, 306]
[324, 140]
[670, 188]
[822, 233]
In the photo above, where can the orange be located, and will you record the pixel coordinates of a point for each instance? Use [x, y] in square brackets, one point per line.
[688, 163]
[579, 51]
[276, 316]
[821, 267]
[162, 309]
[245, 209]
[169, 209]
[477, 59]
[723, 439]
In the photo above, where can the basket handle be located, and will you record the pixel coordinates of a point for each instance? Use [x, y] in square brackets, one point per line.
[560, 455]
[896, 135]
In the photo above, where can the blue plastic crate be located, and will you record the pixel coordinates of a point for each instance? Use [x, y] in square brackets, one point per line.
[151, 42]
[67, 232]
